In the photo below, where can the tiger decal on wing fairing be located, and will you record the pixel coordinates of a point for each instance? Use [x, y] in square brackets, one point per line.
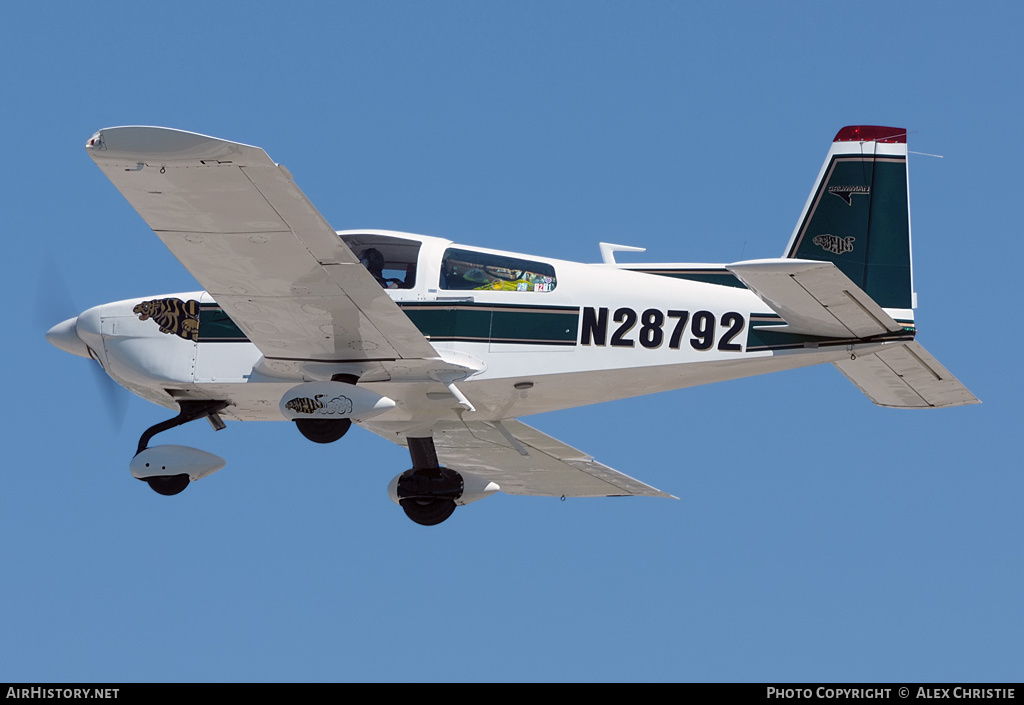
[174, 316]
[338, 406]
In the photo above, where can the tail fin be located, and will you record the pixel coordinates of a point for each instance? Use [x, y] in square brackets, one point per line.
[858, 218]
[858, 215]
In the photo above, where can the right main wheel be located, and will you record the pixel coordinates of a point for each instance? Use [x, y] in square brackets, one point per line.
[428, 511]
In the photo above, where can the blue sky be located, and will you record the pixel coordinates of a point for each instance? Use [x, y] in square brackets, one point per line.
[817, 537]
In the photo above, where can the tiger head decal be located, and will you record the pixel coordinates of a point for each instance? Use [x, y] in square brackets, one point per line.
[174, 316]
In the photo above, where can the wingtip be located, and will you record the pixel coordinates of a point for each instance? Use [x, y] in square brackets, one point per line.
[96, 141]
[169, 145]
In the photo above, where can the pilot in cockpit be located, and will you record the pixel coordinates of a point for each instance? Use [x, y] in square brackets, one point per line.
[373, 260]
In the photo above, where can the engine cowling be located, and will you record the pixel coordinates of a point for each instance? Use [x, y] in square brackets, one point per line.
[332, 400]
[169, 460]
[474, 487]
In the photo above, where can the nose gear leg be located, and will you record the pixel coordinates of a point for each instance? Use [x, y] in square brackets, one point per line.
[190, 411]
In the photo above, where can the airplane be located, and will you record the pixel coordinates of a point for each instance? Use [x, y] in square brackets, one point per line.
[442, 347]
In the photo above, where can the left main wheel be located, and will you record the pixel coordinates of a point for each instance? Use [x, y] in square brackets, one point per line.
[168, 484]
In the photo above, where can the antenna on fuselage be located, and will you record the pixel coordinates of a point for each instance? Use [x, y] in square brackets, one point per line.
[608, 251]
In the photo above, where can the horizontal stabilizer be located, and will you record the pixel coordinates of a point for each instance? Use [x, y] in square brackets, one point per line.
[905, 376]
[815, 298]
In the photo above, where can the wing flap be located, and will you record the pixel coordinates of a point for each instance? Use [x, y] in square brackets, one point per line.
[906, 376]
[252, 239]
[550, 468]
[815, 298]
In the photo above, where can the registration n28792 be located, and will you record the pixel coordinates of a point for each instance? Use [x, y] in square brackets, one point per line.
[654, 327]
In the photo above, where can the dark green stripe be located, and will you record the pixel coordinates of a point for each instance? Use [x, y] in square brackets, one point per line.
[721, 277]
[536, 325]
[761, 337]
[500, 323]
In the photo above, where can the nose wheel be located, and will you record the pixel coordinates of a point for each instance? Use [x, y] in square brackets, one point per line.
[168, 485]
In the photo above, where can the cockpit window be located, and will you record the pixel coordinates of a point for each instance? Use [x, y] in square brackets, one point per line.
[391, 260]
[468, 270]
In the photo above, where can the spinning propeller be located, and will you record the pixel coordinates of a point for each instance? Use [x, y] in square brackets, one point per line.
[54, 302]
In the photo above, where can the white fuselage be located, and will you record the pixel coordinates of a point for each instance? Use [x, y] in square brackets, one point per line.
[599, 332]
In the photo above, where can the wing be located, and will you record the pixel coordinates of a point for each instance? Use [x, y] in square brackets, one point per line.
[524, 461]
[252, 239]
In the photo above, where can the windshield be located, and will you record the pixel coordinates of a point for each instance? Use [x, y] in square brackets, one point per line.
[469, 270]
